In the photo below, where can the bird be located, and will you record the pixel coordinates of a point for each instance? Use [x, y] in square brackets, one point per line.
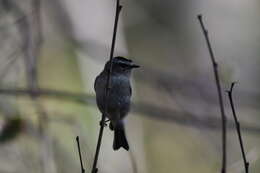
[118, 98]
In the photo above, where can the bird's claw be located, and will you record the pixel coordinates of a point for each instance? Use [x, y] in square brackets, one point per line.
[105, 123]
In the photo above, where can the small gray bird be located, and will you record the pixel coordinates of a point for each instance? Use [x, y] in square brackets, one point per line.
[118, 98]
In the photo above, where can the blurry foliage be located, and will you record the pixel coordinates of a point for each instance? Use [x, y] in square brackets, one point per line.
[11, 128]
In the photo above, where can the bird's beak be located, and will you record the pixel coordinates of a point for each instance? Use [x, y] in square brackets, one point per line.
[134, 66]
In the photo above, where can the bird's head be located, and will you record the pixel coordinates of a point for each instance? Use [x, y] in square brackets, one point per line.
[121, 65]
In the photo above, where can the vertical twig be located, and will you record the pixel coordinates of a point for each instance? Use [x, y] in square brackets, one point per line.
[102, 124]
[215, 68]
[230, 92]
[80, 158]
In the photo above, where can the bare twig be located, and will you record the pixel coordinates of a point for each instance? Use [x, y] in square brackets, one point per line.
[80, 158]
[230, 92]
[102, 124]
[215, 68]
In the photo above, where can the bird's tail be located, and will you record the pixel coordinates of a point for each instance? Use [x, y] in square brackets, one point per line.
[119, 137]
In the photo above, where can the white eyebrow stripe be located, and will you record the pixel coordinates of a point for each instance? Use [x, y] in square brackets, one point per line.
[125, 63]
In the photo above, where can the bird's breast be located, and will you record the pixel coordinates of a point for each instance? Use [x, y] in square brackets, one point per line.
[119, 93]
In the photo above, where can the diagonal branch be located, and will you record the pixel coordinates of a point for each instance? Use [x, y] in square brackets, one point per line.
[230, 92]
[80, 158]
[215, 68]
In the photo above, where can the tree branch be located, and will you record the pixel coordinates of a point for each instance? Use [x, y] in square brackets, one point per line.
[230, 92]
[80, 158]
[108, 86]
[215, 68]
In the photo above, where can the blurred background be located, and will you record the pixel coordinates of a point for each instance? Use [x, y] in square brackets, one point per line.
[51, 52]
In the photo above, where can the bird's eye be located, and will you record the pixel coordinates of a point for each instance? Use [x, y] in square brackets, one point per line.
[123, 65]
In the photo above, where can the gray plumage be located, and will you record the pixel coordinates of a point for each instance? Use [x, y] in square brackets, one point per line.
[119, 96]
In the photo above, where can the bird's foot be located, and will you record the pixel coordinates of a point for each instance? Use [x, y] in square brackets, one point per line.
[105, 123]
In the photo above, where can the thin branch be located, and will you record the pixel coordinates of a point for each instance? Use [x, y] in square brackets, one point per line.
[230, 92]
[215, 68]
[80, 158]
[102, 124]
